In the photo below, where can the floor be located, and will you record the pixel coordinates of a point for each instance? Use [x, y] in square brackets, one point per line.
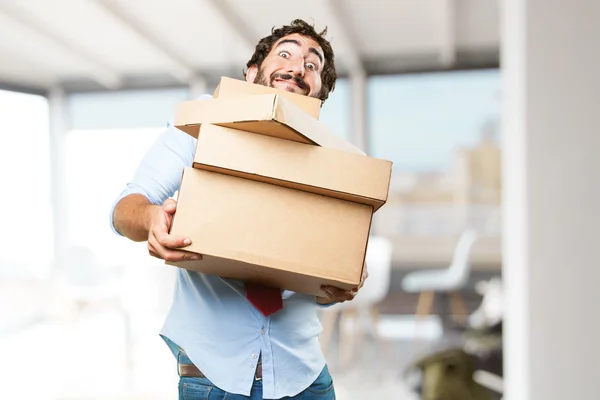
[85, 358]
[82, 355]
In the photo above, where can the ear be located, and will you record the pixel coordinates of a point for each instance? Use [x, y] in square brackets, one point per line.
[251, 73]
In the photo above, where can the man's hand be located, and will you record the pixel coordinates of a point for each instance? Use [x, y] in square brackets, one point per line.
[336, 295]
[160, 243]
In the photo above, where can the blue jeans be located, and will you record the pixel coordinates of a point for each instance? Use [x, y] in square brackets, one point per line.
[203, 389]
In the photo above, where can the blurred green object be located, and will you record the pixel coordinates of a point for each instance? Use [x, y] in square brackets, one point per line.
[448, 375]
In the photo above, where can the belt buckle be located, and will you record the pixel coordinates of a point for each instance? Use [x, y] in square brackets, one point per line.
[259, 365]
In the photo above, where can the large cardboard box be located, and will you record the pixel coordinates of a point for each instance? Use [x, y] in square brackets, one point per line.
[267, 114]
[286, 163]
[229, 87]
[270, 234]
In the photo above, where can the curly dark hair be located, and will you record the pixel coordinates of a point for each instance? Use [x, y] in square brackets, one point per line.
[328, 74]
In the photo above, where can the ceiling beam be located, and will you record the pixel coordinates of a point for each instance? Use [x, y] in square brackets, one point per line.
[99, 70]
[344, 35]
[27, 89]
[179, 67]
[236, 23]
[448, 33]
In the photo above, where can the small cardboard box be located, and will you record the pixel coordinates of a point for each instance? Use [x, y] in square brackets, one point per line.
[229, 87]
[267, 114]
[270, 234]
[294, 165]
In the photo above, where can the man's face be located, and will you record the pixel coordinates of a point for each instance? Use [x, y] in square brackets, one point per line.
[294, 64]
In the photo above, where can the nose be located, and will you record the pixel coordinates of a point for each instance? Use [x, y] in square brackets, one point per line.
[296, 68]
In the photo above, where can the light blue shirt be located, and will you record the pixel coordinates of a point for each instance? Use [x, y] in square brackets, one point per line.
[210, 317]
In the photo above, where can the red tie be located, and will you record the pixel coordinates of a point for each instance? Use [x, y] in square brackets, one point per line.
[266, 299]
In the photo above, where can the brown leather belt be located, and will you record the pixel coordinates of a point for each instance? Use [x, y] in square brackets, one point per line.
[190, 370]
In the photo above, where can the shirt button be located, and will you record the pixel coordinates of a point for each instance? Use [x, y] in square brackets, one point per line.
[262, 331]
[253, 355]
[251, 365]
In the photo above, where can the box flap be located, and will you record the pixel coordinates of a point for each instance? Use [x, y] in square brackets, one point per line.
[292, 116]
[250, 113]
[189, 115]
[271, 128]
[229, 87]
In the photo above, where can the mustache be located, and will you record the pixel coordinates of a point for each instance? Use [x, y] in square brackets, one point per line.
[297, 80]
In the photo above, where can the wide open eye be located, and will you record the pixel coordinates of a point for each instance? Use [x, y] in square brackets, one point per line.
[310, 66]
[284, 54]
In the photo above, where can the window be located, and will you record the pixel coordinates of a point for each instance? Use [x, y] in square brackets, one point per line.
[335, 112]
[26, 193]
[418, 121]
[441, 132]
[99, 164]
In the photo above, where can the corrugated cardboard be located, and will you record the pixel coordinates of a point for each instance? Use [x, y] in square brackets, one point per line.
[313, 169]
[267, 114]
[229, 87]
[270, 234]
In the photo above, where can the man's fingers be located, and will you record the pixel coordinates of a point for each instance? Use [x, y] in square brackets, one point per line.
[171, 241]
[181, 255]
[165, 246]
[339, 295]
[158, 251]
[177, 255]
[170, 206]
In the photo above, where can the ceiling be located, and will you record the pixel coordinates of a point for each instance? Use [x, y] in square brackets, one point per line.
[112, 44]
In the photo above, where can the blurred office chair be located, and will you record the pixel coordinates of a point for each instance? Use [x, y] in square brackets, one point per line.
[448, 281]
[362, 313]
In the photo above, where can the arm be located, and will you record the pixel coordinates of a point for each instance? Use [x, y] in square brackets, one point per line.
[132, 217]
[144, 211]
[136, 218]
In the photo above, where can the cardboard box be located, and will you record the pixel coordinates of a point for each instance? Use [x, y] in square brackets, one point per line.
[267, 114]
[271, 234]
[229, 87]
[312, 169]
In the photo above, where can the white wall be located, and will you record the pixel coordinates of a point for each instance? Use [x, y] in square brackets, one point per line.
[551, 127]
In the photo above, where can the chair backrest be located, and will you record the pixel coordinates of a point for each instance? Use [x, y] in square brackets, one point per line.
[461, 264]
[379, 264]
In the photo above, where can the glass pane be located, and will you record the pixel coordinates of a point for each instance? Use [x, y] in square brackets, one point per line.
[99, 164]
[26, 195]
[419, 121]
[441, 132]
[335, 112]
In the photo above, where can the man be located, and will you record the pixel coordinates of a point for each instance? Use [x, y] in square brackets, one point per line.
[223, 344]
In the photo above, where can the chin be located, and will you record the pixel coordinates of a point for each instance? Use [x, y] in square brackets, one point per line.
[292, 90]
[289, 88]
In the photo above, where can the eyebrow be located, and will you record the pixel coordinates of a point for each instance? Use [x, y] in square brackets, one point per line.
[297, 43]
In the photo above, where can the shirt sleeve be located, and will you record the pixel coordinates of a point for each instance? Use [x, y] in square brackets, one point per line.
[159, 174]
[319, 305]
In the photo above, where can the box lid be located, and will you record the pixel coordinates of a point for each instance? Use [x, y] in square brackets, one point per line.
[229, 87]
[314, 169]
[267, 114]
